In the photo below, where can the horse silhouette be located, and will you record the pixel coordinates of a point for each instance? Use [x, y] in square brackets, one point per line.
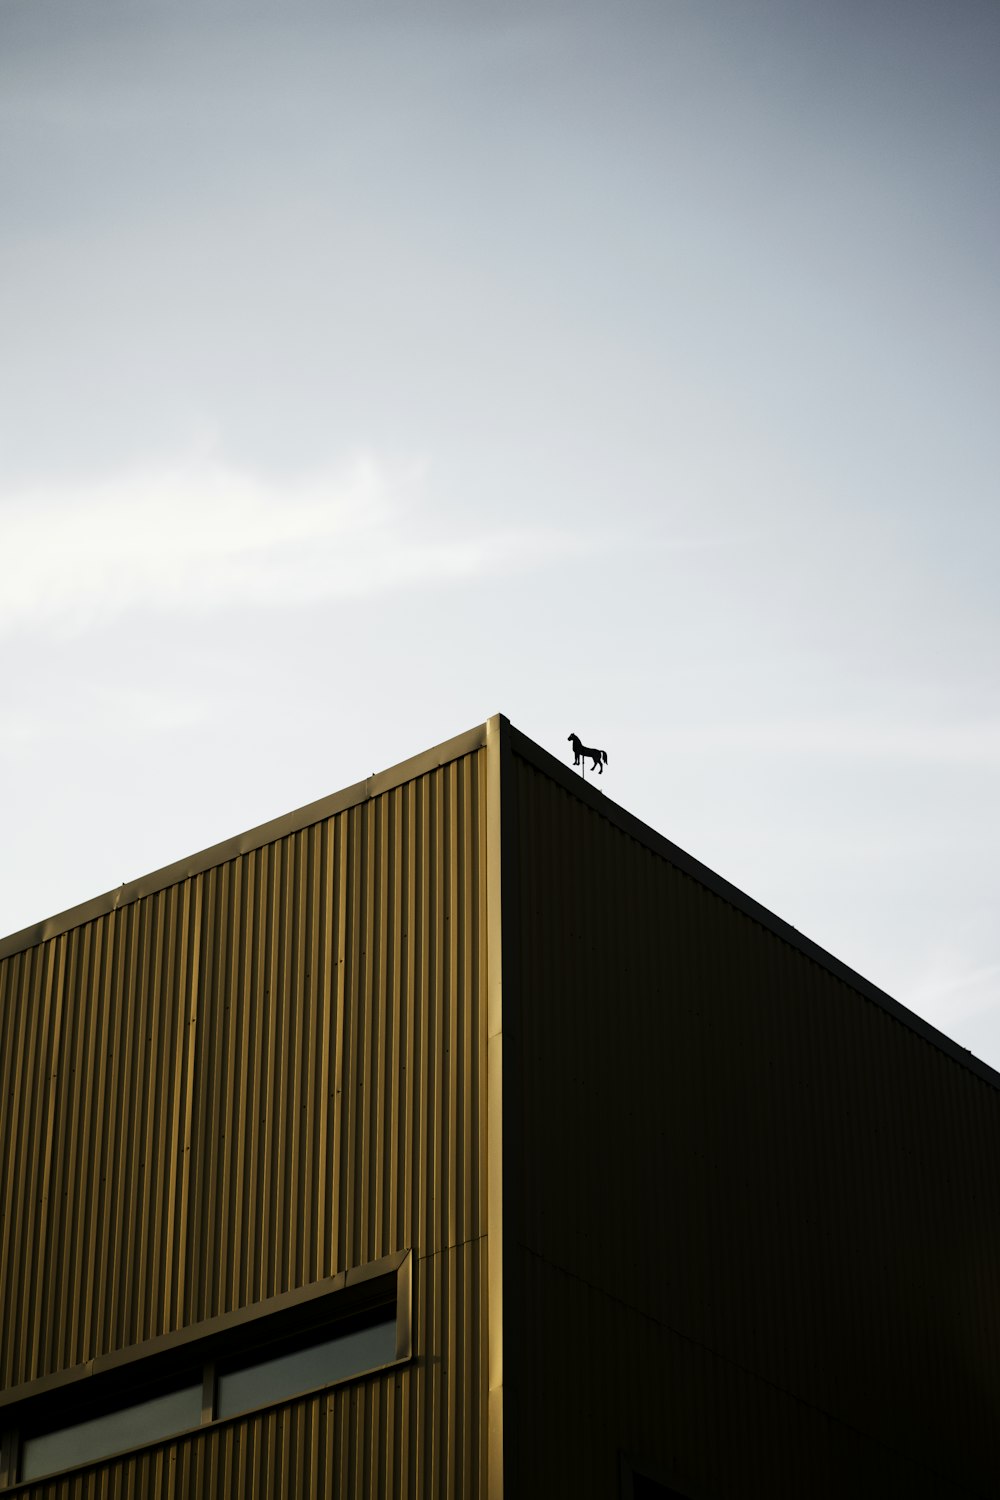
[597, 756]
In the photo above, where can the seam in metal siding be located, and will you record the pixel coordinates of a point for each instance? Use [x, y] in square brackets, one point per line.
[265, 1073]
[746, 1187]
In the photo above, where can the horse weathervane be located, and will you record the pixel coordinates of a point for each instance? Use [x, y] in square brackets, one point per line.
[581, 751]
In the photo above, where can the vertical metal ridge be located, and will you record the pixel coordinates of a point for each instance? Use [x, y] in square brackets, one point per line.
[497, 763]
[269, 1071]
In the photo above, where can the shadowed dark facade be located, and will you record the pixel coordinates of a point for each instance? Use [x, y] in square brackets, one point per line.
[584, 1174]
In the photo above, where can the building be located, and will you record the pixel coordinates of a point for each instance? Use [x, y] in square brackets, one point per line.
[458, 1135]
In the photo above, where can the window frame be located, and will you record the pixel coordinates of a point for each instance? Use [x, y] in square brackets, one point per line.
[342, 1299]
[631, 1468]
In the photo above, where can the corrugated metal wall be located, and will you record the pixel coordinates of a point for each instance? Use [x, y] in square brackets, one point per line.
[254, 1078]
[760, 1218]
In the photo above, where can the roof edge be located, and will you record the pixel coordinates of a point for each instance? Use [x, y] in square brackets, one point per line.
[243, 843]
[545, 762]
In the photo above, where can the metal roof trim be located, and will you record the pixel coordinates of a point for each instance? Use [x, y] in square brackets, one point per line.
[547, 763]
[243, 843]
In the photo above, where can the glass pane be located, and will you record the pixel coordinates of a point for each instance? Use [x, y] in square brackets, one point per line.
[283, 1375]
[648, 1489]
[125, 1427]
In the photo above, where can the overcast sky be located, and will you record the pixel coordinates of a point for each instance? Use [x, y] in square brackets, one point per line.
[630, 368]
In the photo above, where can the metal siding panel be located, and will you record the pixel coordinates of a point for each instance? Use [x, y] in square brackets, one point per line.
[757, 1209]
[264, 1073]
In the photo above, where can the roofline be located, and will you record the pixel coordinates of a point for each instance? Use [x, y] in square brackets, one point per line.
[543, 761]
[243, 843]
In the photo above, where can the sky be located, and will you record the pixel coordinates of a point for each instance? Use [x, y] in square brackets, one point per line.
[627, 368]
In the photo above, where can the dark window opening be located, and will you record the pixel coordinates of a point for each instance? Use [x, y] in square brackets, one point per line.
[302, 1341]
[639, 1484]
[276, 1372]
[650, 1489]
[65, 1444]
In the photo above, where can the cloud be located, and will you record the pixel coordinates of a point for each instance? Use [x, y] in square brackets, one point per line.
[205, 537]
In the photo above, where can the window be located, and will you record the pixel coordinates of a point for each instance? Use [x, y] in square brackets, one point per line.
[651, 1489]
[274, 1374]
[349, 1326]
[638, 1484]
[126, 1426]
